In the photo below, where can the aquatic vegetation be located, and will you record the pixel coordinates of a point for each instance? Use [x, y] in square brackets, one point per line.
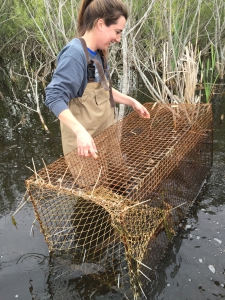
[209, 73]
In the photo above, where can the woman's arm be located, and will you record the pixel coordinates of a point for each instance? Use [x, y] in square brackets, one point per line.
[124, 99]
[85, 142]
[68, 82]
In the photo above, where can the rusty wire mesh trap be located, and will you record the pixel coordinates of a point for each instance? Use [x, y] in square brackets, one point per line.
[116, 215]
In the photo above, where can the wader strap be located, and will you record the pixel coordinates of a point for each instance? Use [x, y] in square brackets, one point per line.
[100, 72]
[85, 49]
[90, 66]
[111, 99]
[101, 75]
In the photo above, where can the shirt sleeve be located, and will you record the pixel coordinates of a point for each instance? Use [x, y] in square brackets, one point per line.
[68, 80]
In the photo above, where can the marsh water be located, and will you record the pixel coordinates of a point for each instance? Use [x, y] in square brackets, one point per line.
[193, 266]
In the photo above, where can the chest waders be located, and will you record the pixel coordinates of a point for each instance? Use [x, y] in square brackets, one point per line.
[95, 109]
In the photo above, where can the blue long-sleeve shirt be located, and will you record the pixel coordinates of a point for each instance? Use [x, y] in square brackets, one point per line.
[70, 77]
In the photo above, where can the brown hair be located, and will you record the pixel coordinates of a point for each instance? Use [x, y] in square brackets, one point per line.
[92, 10]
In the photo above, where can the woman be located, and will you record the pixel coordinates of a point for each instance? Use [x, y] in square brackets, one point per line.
[77, 97]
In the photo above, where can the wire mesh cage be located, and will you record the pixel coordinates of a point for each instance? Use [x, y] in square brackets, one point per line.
[115, 215]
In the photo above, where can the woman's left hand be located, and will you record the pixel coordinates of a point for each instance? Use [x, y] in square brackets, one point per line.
[140, 109]
[127, 100]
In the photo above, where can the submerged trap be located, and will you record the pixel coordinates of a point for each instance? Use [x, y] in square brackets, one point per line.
[116, 215]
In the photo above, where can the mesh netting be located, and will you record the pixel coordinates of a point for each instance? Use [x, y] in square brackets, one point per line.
[116, 215]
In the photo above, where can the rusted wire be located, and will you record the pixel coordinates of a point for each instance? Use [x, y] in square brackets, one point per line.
[121, 210]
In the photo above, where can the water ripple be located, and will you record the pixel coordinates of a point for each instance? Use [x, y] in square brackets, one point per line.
[32, 261]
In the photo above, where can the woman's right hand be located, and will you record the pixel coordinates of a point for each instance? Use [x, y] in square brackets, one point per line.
[85, 144]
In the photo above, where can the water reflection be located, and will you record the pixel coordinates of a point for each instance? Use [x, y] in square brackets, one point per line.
[84, 281]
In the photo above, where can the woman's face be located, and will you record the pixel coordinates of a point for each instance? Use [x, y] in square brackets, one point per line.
[110, 34]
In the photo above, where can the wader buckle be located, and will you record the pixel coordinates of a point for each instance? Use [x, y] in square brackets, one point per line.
[91, 71]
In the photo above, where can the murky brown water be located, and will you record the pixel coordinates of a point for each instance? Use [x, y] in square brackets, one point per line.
[193, 267]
